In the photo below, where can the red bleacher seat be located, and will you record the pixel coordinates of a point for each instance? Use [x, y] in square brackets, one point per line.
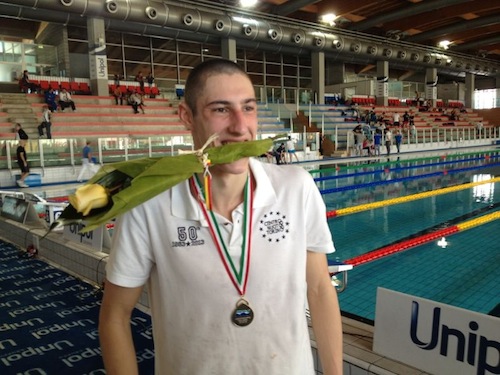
[54, 85]
[111, 88]
[84, 87]
[65, 85]
[44, 85]
[74, 86]
[147, 90]
[154, 90]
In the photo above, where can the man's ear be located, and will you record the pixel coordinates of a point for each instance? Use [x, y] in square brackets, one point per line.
[185, 115]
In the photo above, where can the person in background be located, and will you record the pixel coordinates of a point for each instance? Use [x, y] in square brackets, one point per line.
[87, 162]
[65, 100]
[413, 133]
[398, 139]
[395, 119]
[377, 142]
[217, 311]
[116, 80]
[136, 101]
[479, 128]
[26, 84]
[367, 146]
[150, 79]
[20, 133]
[46, 123]
[118, 95]
[22, 161]
[290, 149]
[140, 78]
[279, 154]
[388, 141]
[50, 99]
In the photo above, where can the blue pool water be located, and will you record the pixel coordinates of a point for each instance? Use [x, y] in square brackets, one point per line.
[464, 274]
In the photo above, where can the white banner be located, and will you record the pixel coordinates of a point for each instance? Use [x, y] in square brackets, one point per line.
[435, 337]
[93, 238]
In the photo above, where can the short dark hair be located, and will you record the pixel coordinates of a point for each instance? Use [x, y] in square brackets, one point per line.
[197, 78]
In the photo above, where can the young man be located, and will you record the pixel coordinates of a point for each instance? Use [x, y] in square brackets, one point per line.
[46, 123]
[290, 149]
[65, 100]
[20, 133]
[22, 161]
[228, 284]
[87, 162]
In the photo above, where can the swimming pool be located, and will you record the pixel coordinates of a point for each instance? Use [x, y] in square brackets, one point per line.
[463, 274]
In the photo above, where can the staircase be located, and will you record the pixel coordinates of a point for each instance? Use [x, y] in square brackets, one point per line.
[15, 108]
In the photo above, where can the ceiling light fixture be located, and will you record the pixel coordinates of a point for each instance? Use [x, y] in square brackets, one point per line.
[248, 3]
[329, 19]
[444, 44]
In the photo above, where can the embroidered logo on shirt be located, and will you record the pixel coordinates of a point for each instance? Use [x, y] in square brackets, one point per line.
[274, 226]
[188, 236]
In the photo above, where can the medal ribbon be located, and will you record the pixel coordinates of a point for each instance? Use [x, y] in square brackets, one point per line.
[239, 278]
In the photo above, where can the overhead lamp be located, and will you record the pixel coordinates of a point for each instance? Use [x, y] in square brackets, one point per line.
[248, 3]
[329, 19]
[444, 44]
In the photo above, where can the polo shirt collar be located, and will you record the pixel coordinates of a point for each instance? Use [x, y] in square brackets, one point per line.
[185, 206]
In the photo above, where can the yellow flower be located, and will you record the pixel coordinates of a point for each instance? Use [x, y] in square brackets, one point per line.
[88, 197]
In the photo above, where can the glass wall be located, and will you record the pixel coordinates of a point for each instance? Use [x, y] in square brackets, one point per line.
[16, 57]
[276, 77]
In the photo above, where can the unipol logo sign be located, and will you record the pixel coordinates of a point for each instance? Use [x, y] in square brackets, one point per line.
[434, 337]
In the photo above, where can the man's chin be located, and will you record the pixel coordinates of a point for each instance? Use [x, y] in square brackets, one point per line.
[237, 167]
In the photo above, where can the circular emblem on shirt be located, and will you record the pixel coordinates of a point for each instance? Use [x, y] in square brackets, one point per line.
[274, 226]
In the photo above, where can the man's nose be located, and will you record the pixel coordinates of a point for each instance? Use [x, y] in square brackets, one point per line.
[239, 120]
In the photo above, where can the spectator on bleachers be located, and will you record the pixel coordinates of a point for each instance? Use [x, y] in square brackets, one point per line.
[136, 101]
[412, 118]
[117, 80]
[150, 79]
[395, 119]
[65, 100]
[406, 119]
[50, 99]
[373, 116]
[26, 84]
[20, 133]
[46, 123]
[118, 95]
[140, 78]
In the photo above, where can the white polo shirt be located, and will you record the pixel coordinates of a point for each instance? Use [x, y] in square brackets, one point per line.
[165, 243]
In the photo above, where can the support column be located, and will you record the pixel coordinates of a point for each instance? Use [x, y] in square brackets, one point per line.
[98, 61]
[335, 74]
[318, 77]
[382, 90]
[431, 81]
[228, 48]
[470, 86]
